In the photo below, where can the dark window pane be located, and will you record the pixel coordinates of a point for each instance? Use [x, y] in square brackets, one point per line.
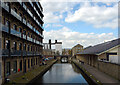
[15, 66]
[7, 68]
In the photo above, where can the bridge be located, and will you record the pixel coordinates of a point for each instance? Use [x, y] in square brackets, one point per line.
[63, 58]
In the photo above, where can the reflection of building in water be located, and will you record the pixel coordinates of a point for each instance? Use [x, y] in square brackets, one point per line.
[47, 50]
[75, 69]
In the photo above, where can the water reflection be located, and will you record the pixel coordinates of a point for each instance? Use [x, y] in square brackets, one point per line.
[62, 73]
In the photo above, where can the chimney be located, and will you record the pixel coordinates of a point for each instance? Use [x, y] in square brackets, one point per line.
[55, 41]
[50, 43]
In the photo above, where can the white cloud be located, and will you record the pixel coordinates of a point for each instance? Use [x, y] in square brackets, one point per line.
[80, 0]
[53, 11]
[57, 25]
[47, 25]
[98, 16]
[70, 38]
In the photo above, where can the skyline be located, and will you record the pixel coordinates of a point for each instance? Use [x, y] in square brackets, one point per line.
[71, 22]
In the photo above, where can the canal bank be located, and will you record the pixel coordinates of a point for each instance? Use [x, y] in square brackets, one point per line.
[94, 74]
[30, 76]
[91, 79]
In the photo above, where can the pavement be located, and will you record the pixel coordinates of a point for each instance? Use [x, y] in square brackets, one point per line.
[101, 76]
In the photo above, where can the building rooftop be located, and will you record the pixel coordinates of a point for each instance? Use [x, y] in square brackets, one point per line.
[97, 49]
[77, 45]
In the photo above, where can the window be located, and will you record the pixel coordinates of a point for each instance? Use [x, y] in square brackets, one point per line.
[15, 27]
[36, 48]
[15, 66]
[7, 44]
[28, 63]
[28, 47]
[31, 62]
[24, 48]
[20, 65]
[31, 48]
[24, 32]
[36, 61]
[20, 46]
[15, 45]
[7, 23]
[8, 68]
[20, 14]
[28, 34]
[20, 30]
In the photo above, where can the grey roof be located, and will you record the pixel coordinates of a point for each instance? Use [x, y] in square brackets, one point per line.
[101, 47]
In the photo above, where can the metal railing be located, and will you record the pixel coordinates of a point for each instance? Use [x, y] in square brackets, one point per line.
[29, 38]
[24, 36]
[15, 52]
[24, 21]
[24, 53]
[37, 42]
[29, 25]
[5, 52]
[5, 28]
[34, 29]
[30, 12]
[30, 53]
[34, 40]
[31, 3]
[20, 1]
[16, 33]
[16, 15]
[24, 6]
[5, 6]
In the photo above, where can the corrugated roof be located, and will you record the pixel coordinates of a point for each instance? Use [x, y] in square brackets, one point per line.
[101, 47]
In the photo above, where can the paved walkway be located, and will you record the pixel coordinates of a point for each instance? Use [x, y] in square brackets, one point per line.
[102, 77]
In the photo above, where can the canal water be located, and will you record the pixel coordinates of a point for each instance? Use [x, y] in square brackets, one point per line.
[62, 73]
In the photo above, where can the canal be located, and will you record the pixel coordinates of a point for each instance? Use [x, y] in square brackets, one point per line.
[62, 73]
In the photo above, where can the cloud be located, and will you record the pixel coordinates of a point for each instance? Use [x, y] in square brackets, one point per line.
[47, 25]
[80, 0]
[70, 38]
[53, 11]
[57, 25]
[98, 16]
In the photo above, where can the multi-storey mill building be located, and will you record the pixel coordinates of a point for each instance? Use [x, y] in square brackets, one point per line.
[22, 37]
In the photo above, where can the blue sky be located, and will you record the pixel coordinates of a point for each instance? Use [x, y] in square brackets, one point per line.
[86, 23]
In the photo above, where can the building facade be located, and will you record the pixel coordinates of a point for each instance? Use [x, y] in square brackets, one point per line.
[76, 49]
[48, 50]
[58, 48]
[22, 37]
[105, 52]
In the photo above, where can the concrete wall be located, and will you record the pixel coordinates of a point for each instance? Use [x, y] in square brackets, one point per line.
[88, 59]
[110, 69]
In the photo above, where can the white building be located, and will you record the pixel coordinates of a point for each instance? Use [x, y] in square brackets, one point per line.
[58, 47]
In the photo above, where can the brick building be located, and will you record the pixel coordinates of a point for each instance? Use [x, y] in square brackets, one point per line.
[76, 49]
[22, 37]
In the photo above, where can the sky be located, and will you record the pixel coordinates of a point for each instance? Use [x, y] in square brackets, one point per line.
[77, 22]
